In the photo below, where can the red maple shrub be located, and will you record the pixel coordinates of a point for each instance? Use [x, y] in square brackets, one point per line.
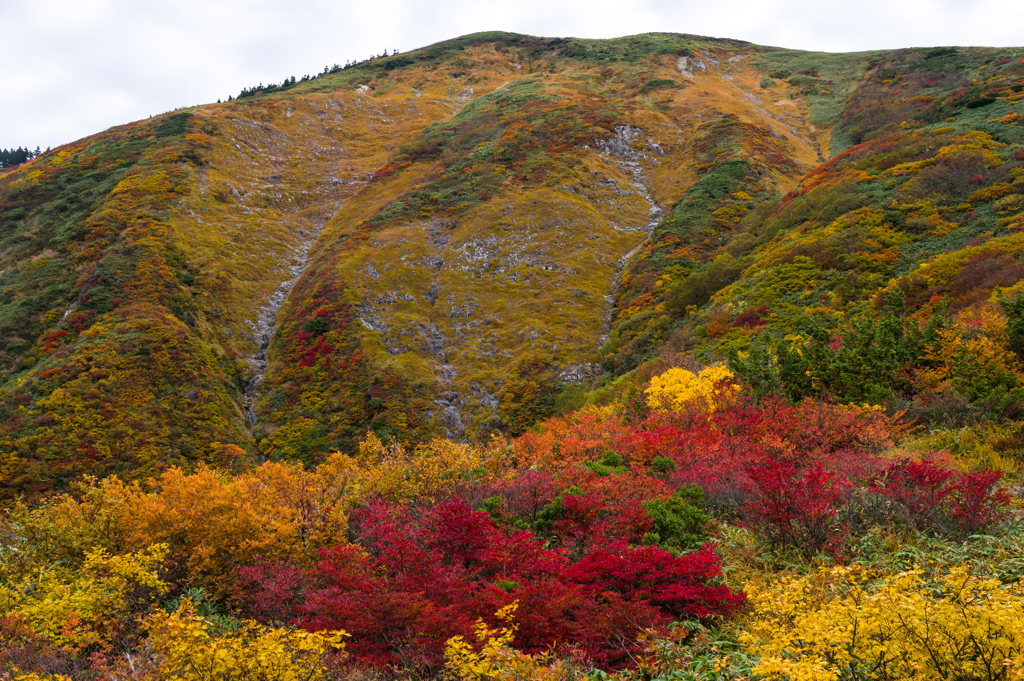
[272, 591]
[516, 500]
[940, 500]
[415, 579]
[797, 507]
[678, 585]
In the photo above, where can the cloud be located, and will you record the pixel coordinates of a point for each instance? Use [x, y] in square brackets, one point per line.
[76, 67]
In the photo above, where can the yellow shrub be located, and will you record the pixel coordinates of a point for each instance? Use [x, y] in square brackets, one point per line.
[215, 521]
[497, 659]
[80, 608]
[186, 651]
[678, 389]
[1009, 204]
[990, 193]
[840, 623]
[469, 664]
[428, 471]
[973, 354]
[211, 521]
[63, 528]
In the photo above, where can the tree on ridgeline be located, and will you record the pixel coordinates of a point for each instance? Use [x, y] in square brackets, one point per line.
[15, 157]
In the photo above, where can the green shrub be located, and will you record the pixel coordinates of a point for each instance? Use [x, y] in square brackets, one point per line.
[678, 522]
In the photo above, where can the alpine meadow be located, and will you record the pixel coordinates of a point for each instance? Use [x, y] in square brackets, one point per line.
[658, 358]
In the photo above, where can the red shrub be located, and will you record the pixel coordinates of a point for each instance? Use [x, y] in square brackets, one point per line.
[395, 617]
[82, 320]
[705, 453]
[678, 585]
[575, 524]
[22, 648]
[751, 319]
[978, 503]
[459, 533]
[559, 616]
[272, 592]
[415, 580]
[518, 556]
[940, 500]
[54, 339]
[918, 487]
[525, 494]
[797, 507]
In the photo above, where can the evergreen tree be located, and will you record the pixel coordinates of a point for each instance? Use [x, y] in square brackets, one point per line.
[15, 157]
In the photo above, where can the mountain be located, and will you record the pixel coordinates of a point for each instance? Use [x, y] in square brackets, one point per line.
[466, 238]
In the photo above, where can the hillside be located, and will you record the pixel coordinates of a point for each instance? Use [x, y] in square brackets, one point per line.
[510, 358]
[468, 237]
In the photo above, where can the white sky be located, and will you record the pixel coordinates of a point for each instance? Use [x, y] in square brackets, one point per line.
[70, 68]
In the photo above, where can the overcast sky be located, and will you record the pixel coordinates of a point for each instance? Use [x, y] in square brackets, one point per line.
[70, 68]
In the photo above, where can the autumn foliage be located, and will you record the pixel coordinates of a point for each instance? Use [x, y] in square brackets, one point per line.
[197, 486]
[413, 581]
[583, 539]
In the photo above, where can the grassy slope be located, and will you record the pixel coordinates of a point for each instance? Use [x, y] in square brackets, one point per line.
[508, 219]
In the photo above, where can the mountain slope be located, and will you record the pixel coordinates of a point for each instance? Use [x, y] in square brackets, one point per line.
[440, 242]
[906, 92]
[920, 221]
